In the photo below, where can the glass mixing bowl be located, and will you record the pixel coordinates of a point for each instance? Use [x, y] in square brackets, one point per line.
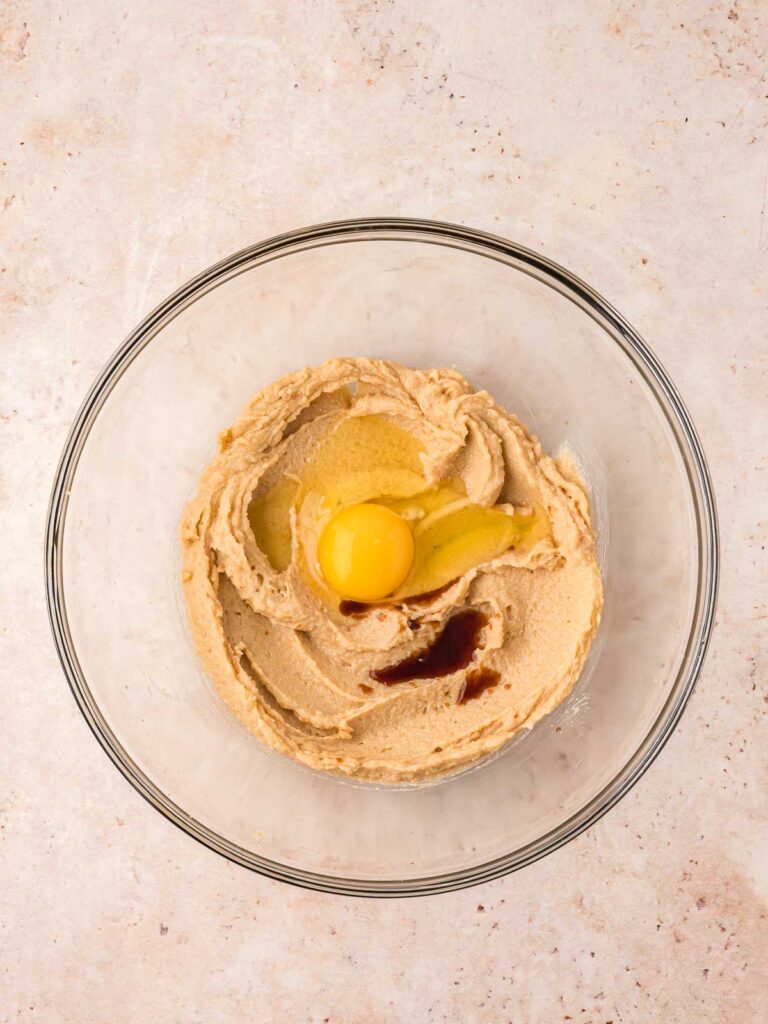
[425, 294]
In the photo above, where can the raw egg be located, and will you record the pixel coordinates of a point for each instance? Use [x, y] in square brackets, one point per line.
[365, 552]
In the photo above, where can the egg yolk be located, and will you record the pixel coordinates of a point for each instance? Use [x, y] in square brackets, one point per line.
[365, 552]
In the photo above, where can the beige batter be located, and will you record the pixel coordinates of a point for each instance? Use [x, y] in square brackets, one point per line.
[296, 670]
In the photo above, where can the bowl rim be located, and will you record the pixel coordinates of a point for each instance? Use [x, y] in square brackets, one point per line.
[516, 257]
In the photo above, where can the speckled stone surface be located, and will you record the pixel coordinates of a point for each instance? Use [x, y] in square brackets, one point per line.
[140, 143]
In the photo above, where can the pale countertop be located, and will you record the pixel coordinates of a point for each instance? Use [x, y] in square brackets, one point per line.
[142, 142]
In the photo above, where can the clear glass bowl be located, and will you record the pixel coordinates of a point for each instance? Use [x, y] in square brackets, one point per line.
[425, 294]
